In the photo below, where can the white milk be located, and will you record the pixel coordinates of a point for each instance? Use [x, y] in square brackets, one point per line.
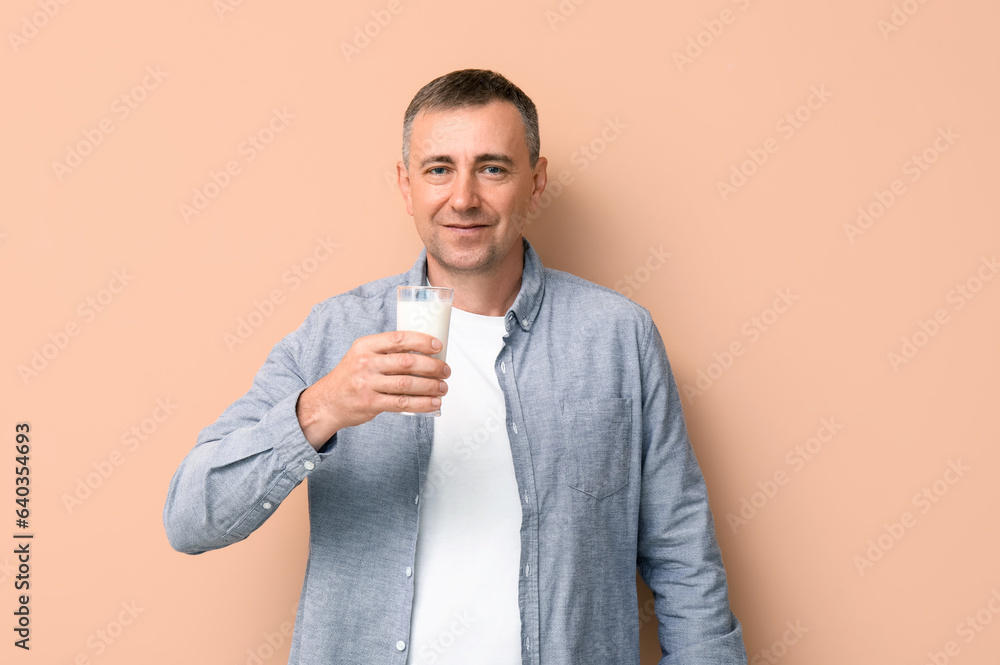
[429, 317]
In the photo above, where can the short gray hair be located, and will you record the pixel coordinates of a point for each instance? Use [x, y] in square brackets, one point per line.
[473, 87]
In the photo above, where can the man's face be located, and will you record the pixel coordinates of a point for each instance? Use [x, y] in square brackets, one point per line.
[469, 186]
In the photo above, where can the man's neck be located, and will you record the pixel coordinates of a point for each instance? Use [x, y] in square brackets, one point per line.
[486, 294]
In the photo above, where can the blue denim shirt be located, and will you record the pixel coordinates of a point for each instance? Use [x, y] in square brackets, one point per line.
[606, 475]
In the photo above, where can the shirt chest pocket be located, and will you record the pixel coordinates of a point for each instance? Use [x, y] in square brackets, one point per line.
[597, 437]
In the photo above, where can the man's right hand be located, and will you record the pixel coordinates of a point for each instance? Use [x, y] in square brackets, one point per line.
[378, 373]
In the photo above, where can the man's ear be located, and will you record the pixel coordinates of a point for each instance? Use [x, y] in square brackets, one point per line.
[539, 179]
[403, 180]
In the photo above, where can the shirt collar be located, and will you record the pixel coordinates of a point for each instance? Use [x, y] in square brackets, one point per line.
[529, 298]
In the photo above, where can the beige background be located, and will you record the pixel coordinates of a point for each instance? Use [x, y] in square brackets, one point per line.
[882, 83]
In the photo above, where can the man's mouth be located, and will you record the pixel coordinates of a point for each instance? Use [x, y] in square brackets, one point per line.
[465, 228]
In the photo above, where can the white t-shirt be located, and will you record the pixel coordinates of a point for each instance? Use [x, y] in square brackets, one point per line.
[465, 606]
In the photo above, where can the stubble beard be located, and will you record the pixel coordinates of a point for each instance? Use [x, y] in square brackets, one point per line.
[485, 261]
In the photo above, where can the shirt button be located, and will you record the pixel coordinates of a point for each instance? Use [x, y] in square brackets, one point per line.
[524, 322]
[503, 367]
[527, 569]
[309, 465]
[267, 505]
[409, 571]
[526, 497]
[515, 428]
[416, 499]
[400, 645]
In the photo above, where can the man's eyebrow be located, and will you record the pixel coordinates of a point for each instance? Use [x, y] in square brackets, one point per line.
[485, 157]
[439, 159]
[493, 157]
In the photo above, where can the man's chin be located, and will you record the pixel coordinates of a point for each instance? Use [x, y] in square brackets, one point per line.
[470, 263]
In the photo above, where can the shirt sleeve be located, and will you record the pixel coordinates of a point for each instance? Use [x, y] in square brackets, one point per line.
[678, 555]
[245, 463]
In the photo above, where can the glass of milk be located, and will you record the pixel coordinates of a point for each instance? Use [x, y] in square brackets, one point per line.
[425, 309]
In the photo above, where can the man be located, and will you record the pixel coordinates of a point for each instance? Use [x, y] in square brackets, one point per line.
[508, 530]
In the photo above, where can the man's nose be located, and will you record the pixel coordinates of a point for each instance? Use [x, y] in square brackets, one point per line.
[465, 192]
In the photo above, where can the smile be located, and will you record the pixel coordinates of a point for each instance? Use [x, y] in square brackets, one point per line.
[466, 229]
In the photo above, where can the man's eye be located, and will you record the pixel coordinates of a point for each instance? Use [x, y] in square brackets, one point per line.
[494, 170]
[437, 170]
